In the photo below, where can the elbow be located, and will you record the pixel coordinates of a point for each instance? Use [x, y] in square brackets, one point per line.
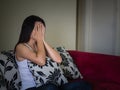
[41, 61]
[59, 60]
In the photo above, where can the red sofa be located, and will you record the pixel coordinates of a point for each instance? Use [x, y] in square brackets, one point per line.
[100, 70]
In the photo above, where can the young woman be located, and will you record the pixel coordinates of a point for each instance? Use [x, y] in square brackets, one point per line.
[33, 47]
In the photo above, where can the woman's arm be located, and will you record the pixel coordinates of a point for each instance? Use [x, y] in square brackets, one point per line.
[52, 53]
[23, 52]
[49, 50]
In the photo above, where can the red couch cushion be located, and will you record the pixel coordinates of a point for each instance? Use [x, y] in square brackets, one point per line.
[99, 69]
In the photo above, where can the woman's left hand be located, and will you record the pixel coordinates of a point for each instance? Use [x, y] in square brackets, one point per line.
[43, 32]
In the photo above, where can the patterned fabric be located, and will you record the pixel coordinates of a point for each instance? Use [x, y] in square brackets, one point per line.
[2, 80]
[68, 66]
[49, 73]
[9, 74]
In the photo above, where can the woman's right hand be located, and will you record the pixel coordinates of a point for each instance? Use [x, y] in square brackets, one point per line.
[38, 36]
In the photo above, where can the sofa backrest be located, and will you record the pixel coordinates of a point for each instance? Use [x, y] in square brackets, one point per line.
[97, 68]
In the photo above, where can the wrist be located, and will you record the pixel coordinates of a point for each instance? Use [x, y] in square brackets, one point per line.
[39, 40]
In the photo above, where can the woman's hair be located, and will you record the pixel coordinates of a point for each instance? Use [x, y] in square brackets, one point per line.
[27, 28]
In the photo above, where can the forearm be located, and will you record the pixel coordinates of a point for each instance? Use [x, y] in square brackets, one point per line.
[41, 51]
[52, 53]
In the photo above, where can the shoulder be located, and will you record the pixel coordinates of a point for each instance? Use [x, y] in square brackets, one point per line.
[20, 46]
[18, 51]
[21, 50]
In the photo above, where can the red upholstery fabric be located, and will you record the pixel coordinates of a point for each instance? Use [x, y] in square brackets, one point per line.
[102, 71]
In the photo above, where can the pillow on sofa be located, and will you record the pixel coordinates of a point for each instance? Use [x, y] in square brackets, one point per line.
[49, 73]
[2, 80]
[9, 70]
[68, 66]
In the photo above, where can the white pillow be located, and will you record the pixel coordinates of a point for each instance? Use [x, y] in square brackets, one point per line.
[49, 73]
[68, 66]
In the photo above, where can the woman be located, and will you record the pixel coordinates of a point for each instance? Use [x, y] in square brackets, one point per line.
[33, 47]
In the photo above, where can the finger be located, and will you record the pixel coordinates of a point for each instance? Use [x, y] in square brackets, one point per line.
[36, 26]
[40, 26]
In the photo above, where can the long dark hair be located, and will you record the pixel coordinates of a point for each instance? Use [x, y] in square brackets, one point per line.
[27, 28]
